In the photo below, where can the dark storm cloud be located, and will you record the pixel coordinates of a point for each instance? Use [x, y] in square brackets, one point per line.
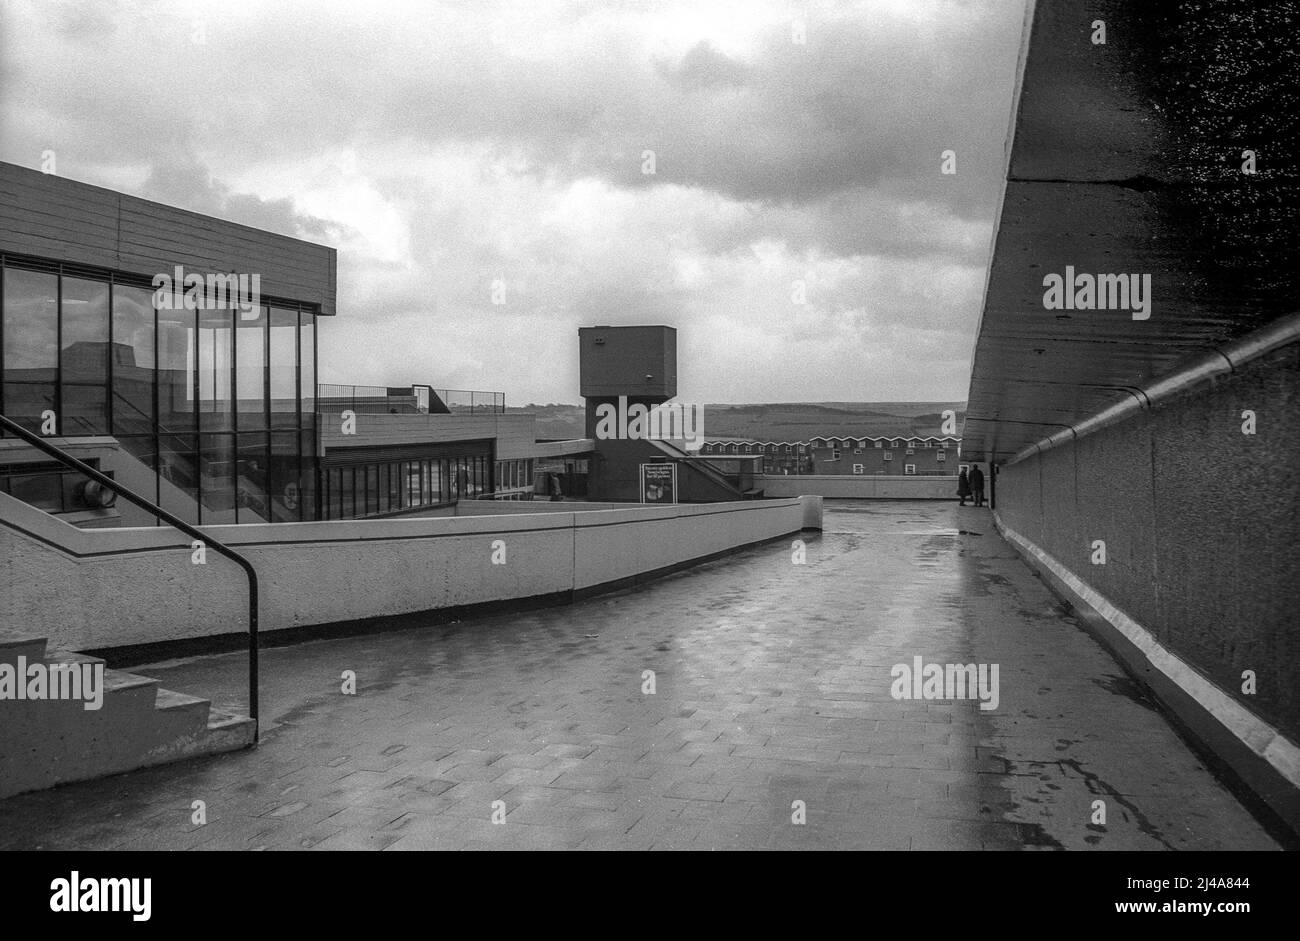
[860, 105]
[442, 146]
[183, 180]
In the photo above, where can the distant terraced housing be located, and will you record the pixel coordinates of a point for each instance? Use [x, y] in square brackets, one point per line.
[868, 454]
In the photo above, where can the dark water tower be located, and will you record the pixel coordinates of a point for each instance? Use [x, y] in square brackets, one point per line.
[637, 362]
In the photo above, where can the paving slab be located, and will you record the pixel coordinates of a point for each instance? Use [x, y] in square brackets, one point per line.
[774, 703]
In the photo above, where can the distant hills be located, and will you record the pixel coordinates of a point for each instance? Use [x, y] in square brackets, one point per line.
[789, 421]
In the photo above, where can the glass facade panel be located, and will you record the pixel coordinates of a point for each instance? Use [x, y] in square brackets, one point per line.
[218, 474]
[216, 369]
[143, 448]
[348, 504]
[459, 478]
[283, 485]
[307, 357]
[334, 494]
[307, 470]
[383, 487]
[372, 489]
[250, 373]
[217, 403]
[411, 485]
[84, 357]
[176, 371]
[31, 346]
[380, 488]
[178, 476]
[284, 367]
[394, 487]
[251, 473]
[132, 355]
[43, 491]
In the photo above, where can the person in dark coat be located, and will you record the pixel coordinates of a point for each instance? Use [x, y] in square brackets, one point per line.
[977, 484]
[963, 487]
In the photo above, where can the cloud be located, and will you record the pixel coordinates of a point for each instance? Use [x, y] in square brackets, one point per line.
[443, 146]
[182, 180]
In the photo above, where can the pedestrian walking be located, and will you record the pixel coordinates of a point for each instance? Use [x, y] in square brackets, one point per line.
[963, 487]
[977, 484]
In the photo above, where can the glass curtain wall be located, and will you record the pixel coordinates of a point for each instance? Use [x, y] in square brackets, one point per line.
[380, 488]
[217, 400]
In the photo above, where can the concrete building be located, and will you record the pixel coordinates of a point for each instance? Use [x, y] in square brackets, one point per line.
[123, 336]
[866, 455]
[173, 351]
[778, 457]
[398, 451]
[1142, 441]
[624, 369]
[127, 405]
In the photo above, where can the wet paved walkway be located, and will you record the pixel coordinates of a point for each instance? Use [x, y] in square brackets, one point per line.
[772, 685]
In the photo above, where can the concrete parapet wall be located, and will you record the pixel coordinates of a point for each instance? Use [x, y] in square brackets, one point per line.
[1199, 522]
[96, 589]
[1201, 533]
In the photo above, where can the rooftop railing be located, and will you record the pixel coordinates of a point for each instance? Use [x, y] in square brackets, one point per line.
[415, 399]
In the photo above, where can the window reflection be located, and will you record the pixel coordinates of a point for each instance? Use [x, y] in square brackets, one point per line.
[84, 357]
[191, 394]
[132, 354]
[251, 474]
[250, 381]
[218, 472]
[30, 344]
[176, 371]
[216, 368]
[307, 357]
[284, 367]
[385, 487]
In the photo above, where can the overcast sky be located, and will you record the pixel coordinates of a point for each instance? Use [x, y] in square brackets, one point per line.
[442, 146]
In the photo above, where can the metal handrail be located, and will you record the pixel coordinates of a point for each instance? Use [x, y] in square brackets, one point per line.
[131, 497]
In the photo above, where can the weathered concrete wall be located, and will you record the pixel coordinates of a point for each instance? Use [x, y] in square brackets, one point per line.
[1200, 524]
[92, 589]
[859, 487]
[513, 431]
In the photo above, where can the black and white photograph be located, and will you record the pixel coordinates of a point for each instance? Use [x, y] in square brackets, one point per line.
[582, 426]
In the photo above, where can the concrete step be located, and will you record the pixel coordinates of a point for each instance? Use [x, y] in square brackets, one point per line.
[169, 701]
[71, 656]
[137, 724]
[15, 644]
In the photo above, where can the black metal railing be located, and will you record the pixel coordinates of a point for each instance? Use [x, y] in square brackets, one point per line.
[67, 459]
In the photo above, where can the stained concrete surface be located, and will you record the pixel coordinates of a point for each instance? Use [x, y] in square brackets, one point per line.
[772, 685]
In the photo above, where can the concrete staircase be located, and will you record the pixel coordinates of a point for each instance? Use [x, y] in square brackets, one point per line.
[44, 742]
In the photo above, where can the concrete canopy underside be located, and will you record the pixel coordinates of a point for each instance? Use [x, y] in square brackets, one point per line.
[1126, 158]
